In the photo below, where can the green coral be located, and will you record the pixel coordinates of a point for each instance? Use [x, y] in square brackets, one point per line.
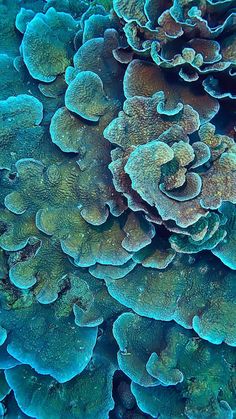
[46, 45]
[193, 292]
[171, 355]
[117, 209]
[35, 338]
[72, 134]
[15, 126]
[139, 122]
[88, 394]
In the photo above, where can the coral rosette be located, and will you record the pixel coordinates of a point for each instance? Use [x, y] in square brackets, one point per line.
[117, 209]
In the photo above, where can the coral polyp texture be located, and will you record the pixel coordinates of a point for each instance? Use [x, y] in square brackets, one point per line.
[117, 209]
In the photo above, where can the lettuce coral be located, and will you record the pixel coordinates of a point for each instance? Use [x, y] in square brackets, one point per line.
[117, 209]
[169, 356]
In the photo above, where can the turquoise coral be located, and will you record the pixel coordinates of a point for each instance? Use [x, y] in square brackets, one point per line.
[117, 209]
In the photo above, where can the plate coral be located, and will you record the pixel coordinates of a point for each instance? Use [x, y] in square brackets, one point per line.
[118, 209]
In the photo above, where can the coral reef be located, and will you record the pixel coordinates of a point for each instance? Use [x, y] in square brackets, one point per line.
[117, 209]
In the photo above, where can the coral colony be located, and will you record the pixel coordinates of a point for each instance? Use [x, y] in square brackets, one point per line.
[118, 209]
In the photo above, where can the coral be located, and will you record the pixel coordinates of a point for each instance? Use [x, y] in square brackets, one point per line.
[205, 234]
[50, 400]
[189, 292]
[144, 79]
[52, 32]
[142, 120]
[112, 271]
[81, 90]
[225, 249]
[76, 9]
[35, 338]
[45, 266]
[168, 355]
[23, 18]
[11, 408]
[9, 39]
[11, 82]
[86, 244]
[117, 209]
[77, 136]
[180, 36]
[5, 389]
[15, 126]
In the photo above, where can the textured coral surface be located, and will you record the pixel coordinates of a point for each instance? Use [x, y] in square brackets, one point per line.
[118, 209]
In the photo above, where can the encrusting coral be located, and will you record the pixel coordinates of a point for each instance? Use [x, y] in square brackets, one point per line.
[117, 209]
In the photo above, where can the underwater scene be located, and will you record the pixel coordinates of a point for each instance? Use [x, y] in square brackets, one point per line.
[117, 209]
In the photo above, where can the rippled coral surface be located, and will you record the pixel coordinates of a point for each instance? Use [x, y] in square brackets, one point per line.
[117, 209]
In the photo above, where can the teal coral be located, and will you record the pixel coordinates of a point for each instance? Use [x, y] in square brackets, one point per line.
[117, 209]
[172, 356]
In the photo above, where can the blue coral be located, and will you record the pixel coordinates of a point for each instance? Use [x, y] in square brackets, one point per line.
[117, 209]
